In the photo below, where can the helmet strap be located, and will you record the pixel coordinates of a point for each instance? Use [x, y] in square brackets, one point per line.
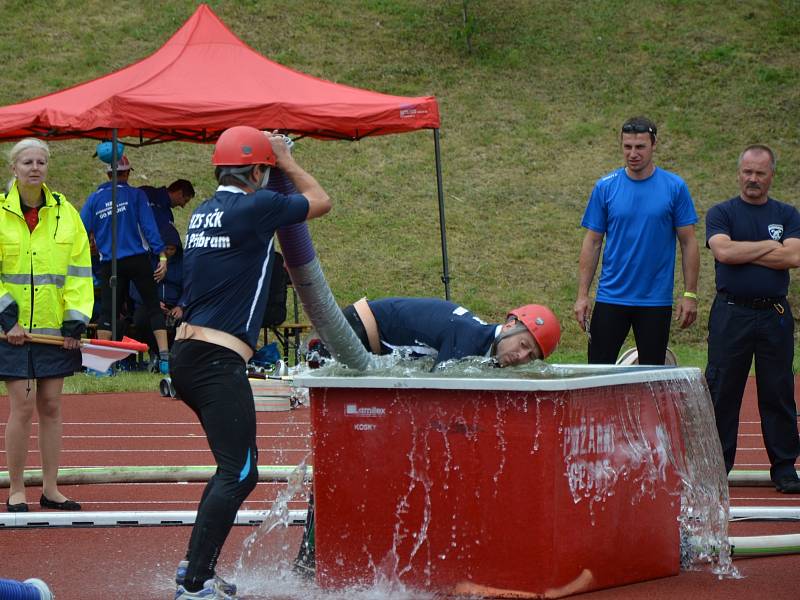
[264, 178]
[517, 329]
[240, 175]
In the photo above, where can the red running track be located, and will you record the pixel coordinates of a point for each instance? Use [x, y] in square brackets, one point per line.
[138, 562]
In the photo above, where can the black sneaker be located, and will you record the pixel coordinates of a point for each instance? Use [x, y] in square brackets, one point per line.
[790, 484]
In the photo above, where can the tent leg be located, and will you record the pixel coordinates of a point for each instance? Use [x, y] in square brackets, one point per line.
[442, 228]
[113, 279]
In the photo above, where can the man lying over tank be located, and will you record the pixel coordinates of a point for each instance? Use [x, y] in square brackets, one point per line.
[434, 327]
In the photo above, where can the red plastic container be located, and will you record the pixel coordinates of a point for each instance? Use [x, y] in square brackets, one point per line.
[496, 487]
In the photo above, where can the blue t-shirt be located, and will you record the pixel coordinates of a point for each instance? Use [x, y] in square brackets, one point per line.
[137, 232]
[639, 219]
[432, 326]
[228, 256]
[745, 222]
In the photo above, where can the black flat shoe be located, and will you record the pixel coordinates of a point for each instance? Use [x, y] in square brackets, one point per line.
[18, 507]
[44, 502]
[788, 485]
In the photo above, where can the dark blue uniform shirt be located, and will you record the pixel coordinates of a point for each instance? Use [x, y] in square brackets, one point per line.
[431, 326]
[228, 258]
[744, 222]
[160, 203]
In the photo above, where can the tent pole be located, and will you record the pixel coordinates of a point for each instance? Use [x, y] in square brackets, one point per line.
[442, 231]
[113, 280]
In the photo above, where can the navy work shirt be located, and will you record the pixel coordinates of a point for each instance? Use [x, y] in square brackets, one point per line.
[160, 203]
[432, 326]
[228, 257]
[744, 222]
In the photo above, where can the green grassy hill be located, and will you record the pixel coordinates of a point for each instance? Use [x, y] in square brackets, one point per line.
[532, 94]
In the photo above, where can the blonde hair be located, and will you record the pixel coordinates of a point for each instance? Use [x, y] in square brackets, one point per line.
[19, 148]
[26, 144]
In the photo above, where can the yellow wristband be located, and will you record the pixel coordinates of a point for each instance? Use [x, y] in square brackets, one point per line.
[164, 259]
[692, 295]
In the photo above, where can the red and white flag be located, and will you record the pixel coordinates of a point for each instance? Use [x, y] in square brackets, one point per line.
[101, 354]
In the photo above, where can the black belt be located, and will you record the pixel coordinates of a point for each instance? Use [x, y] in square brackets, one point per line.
[352, 318]
[751, 302]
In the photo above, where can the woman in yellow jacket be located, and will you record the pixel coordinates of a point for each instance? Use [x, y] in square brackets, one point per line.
[45, 288]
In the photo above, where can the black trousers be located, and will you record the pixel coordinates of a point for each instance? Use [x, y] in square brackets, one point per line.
[612, 322]
[144, 328]
[138, 269]
[212, 381]
[737, 334]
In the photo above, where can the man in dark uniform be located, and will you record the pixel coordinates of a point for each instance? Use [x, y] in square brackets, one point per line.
[163, 199]
[755, 241]
[436, 327]
[227, 264]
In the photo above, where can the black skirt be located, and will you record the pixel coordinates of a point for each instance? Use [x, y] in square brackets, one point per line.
[37, 361]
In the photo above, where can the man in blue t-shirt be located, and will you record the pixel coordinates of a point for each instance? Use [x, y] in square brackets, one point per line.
[228, 258]
[640, 210]
[163, 199]
[755, 241]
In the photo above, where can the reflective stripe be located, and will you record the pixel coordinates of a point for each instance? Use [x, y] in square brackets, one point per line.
[56, 280]
[74, 271]
[6, 301]
[16, 279]
[46, 331]
[76, 315]
[260, 286]
[25, 279]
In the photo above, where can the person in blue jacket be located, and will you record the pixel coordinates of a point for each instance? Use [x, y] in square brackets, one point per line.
[228, 260]
[170, 290]
[163, 199]
[137, 237]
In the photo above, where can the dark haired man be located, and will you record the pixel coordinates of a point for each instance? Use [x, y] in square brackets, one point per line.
[755, 241]
[640, 210]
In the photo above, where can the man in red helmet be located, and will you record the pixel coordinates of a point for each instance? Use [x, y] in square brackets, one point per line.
[436, 327]
[228, 259]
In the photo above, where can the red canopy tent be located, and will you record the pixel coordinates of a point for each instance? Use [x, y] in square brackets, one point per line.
[203, 80]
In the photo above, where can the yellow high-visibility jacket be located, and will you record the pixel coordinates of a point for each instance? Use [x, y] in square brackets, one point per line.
[47, 273]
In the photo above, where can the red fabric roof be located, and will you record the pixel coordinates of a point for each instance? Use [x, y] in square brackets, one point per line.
[204, 80]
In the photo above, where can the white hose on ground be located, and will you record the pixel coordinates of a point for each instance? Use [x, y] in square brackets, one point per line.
[764, 545]
[149, 474]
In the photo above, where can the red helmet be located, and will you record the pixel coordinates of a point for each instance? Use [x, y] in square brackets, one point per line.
[243, 145]
[542, 324]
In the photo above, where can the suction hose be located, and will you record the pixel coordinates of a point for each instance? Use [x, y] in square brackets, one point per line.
[313, 290]
[30, 589]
